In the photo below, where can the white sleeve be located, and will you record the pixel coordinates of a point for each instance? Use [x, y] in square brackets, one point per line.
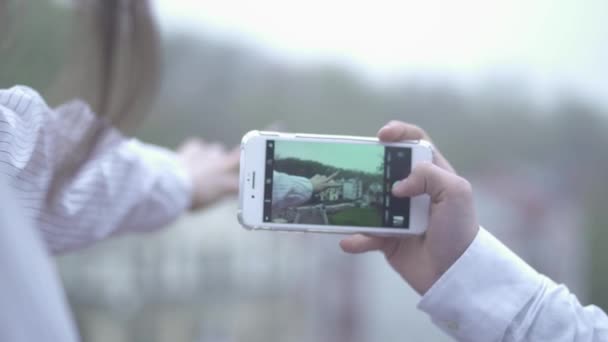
[124, 185]
[490, 294]
[289, 191]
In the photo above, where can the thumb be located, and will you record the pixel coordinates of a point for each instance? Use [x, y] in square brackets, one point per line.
[232, 159]
[428, 178]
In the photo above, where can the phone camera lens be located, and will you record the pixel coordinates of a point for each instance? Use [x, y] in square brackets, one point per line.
[252, 196]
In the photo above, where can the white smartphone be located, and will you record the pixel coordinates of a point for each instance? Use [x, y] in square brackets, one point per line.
[329, 184]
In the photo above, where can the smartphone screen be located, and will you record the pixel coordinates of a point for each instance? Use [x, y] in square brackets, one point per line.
[333, 183]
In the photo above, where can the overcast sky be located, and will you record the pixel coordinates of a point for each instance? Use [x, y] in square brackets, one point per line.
[550, 43]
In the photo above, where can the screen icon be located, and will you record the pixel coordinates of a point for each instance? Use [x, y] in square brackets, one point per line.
[398, 221]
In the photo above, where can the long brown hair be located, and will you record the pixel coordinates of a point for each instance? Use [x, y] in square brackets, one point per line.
[128, 63]
[124, 56]
[122, 70]
[113, 57]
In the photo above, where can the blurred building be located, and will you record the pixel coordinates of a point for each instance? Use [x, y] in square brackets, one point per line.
[347, 189]
[374, 194]
[331, 194]
[353, 189]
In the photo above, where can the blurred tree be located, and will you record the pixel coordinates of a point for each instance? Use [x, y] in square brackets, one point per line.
[36, 44]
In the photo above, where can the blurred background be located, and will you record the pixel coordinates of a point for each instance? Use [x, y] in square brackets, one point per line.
[514, 92]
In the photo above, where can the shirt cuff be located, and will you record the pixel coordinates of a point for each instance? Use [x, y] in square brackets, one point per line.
[171, 187]
[184, 179]
[478, 297]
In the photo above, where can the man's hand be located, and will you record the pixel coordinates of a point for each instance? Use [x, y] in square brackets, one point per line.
[320, 183]
[421, 260]
[214, 171]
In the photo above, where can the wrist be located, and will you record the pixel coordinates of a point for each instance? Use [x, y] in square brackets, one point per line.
[186, 179]
[459, 245]
[487, 272]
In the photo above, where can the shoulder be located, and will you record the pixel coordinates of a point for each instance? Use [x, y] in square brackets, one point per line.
[21, 99]
[24, 107]
[21, 107]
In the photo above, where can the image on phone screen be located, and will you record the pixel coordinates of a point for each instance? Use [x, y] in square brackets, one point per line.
[331, 183]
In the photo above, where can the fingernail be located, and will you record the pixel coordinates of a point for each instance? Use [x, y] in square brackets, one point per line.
[395, 186]
[382, 129]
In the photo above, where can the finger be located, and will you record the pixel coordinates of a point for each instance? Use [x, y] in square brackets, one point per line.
[440, 161]
[359, 243]
[233, 159]
[332, 176]
[396, 131]
[230, 185]
[428, 178]
[190, 144]
[216, 147]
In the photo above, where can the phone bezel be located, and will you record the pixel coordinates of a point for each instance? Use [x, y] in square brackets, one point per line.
[252, 169]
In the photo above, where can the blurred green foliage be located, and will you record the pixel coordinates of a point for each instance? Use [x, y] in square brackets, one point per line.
[366, 217]
[35, 47]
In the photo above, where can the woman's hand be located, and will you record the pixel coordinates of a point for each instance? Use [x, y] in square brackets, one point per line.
[421, 260]
[320, 182]
[213, 169]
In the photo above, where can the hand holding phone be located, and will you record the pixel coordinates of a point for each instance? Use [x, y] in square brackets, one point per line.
[452, 226]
